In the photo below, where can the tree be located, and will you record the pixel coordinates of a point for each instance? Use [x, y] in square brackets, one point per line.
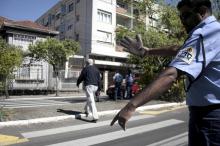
[172, 33]
[55, 52]
[10, 58]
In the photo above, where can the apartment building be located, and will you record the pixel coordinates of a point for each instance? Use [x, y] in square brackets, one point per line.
[31, 76]
[93, 23]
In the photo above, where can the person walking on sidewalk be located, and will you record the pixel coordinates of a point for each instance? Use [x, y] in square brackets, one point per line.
[90, 75]
[198, 58]
[117, 78]
[129, 79]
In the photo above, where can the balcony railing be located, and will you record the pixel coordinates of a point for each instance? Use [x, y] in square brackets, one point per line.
[124, 12]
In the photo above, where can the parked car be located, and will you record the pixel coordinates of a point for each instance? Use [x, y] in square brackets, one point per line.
[111, 90]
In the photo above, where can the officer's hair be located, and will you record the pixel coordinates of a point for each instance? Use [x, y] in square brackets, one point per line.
[195, 4]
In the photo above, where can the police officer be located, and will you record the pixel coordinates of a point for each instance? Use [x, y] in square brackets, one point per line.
[199, 59]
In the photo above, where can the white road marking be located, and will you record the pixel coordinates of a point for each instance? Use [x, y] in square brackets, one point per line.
[75, 128]
[118, 134]
[29, 103]
[178, 140]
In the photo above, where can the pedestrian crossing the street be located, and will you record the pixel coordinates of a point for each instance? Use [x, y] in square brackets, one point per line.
[101, 137]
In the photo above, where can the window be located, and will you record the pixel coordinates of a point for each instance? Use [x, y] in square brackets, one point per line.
[52, 16]
[105, 37]
[153, 21]
[24, 38]
[77, 18]
[107, 1]
[57, 28]
[104, 17]
[70, 27]
[77, 37]
[30, 71]
[63, 9]
[42, 21]
[49, 19]
[57, 15]
[121, 5]
[70, 7]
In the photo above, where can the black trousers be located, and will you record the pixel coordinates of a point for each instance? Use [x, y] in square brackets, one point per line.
[204, 126]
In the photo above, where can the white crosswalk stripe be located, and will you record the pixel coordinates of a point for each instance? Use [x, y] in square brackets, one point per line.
[30, 103]
[118, 134]
[53, 131]
[178, 140]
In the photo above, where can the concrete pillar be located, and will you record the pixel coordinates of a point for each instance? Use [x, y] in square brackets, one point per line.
[66, 69]
[105, 79]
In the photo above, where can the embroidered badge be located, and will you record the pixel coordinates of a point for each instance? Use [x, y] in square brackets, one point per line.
[186, 54]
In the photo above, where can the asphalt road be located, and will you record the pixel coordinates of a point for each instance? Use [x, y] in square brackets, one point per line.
[148, 128]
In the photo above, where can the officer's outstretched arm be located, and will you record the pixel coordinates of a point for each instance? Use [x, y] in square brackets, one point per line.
[162, 83]
[135, 46]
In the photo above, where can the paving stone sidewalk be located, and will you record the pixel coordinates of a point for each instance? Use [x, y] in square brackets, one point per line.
[67, 110]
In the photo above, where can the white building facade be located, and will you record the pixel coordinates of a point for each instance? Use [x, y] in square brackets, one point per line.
[93, 23]
[30, 76]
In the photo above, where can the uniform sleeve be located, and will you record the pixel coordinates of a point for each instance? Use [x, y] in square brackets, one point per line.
[190, 57]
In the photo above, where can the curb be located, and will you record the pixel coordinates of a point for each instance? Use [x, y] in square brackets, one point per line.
[102, 113]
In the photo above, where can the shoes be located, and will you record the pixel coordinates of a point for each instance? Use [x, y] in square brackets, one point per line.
[94, 121]
[86, 113]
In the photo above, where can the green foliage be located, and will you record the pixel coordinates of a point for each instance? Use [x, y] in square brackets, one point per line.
[53, 51]
[5, 114]
[170, 21]
[172, 34]
[10, 58]
[2, 114]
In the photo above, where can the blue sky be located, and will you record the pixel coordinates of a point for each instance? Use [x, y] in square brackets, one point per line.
[25, 9]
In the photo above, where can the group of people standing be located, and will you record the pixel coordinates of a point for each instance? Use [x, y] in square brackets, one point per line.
[118, 79]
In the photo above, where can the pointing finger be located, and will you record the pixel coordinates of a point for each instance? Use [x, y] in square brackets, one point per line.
[114, 120]
[122, 123]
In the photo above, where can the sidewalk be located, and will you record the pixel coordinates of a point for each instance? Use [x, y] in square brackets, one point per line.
[43, 114]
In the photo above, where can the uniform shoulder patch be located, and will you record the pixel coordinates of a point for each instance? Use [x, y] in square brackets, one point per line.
[187, 55]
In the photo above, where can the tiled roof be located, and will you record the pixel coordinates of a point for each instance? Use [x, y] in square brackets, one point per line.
[26, 24]
[3, 19]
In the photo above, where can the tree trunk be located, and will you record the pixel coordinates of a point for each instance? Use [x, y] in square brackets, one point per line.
[57, 83]
[6, 88]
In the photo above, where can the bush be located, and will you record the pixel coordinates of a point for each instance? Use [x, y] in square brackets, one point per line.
[5, 114]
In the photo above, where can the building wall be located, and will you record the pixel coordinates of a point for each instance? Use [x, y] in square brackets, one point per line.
[103, 29]
[95, 37]
[93, 24]
[30, 75]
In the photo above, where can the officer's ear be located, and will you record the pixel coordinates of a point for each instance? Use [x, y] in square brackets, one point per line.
[203, 12]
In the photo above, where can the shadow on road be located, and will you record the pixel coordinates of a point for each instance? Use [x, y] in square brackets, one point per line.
[68, 112]
[77, 115]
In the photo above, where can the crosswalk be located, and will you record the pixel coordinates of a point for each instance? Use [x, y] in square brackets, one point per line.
[109, 135]
[12, 104]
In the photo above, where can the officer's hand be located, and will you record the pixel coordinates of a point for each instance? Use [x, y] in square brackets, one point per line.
[123, 116]
[134, 46]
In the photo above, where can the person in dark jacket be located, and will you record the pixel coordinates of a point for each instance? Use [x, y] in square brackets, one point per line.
[90, 75]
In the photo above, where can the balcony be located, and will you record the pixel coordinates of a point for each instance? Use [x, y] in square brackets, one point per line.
[124, 12]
